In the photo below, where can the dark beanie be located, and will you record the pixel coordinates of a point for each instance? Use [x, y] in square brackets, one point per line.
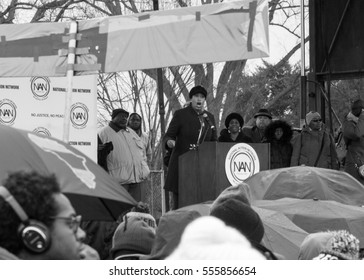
[240, 216]
[198, 89]
[115, 112]
[357, 107]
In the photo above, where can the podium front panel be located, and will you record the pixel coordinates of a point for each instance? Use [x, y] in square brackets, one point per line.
[202, 175]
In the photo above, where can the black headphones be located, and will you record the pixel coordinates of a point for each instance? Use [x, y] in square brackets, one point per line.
[33, 234]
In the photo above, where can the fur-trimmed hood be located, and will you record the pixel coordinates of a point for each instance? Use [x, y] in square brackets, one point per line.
[287, 131]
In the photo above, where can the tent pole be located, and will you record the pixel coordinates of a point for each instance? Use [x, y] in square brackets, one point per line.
[161, 116]
[71, 59]
[303, 77]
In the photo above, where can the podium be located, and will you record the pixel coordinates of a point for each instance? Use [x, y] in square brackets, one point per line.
[202, 175]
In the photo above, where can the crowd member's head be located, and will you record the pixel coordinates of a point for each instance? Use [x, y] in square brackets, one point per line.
[120, 117]
[240, 192]
[208, 238]
[134, 237]
[241, 216]
[234, 122]
[279, 130]
[198, 98]
[342, 246]
[37, 221]
[262, 118]
[313, 120]
[135, 121]
[170, 228]
[235, 211]
[330, 245]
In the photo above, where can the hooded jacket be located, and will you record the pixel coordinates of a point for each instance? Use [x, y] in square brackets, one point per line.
[280, 150]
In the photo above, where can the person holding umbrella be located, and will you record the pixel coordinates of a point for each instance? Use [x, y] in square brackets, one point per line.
[37, 221]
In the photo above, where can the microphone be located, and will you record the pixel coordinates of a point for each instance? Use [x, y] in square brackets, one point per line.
[206, 116]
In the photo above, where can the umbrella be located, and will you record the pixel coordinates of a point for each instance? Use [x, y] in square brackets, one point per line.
[319, 215]
[280, 234]
[93, 192]
[306, 182]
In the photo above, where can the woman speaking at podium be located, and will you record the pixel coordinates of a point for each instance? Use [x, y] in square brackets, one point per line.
[189, 127]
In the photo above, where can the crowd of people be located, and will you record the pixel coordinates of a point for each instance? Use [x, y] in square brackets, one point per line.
[37, 221]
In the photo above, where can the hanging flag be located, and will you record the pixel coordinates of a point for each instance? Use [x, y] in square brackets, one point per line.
[193, 35]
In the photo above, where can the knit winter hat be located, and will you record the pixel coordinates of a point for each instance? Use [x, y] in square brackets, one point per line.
[240, 192]
[334, 245]
[134, 236]
[115, 112]
[208, 238]
[196, 90]
[311, 115]
[241, 216]
[345, 244]
[170, 228]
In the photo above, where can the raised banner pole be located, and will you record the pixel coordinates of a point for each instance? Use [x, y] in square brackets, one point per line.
[71, 59]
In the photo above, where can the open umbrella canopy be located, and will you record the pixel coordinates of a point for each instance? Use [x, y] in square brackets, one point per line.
[93, 192]
[319, 215]
[306, 182]
[281, 235]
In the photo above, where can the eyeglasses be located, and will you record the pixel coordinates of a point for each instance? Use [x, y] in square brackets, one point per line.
[73, 222]
[319, 120]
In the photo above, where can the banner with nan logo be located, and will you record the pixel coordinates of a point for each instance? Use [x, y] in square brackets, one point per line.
[37, 104]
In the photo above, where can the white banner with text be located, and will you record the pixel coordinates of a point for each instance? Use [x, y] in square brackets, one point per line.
[38, 104]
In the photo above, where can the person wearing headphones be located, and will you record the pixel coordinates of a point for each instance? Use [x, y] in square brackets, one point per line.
[37, 221]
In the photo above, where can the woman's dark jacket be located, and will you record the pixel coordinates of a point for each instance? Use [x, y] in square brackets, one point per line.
[280, 150]
[225, 136]
[184, 129]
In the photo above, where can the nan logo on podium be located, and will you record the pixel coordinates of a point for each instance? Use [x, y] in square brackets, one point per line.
[241, 162]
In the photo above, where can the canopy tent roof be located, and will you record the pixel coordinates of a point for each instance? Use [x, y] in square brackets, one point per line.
[208, 33]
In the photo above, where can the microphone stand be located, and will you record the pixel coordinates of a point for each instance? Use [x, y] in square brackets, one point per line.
[195, 146]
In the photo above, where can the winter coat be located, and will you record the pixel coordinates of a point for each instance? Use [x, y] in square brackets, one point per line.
[306, 147]
[254, 134]
[354, 139]
[126, 161]
[184, 129]
[280, 150]
[225, 136]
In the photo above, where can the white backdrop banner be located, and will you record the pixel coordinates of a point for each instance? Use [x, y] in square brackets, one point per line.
[37, 104]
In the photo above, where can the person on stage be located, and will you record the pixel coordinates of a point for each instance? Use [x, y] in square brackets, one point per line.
[189, 127]
[234, 123]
